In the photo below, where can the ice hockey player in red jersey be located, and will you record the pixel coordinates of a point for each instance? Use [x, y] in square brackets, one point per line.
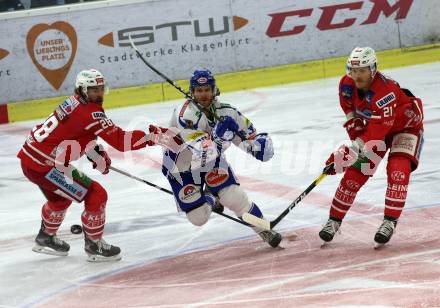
[381, 117]
[67, 134]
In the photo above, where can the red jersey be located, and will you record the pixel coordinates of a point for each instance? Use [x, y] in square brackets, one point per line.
[73, 126]
[385, 107]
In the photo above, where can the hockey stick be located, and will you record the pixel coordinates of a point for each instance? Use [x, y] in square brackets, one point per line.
[268, 225]
[171, 193]
[186, 94]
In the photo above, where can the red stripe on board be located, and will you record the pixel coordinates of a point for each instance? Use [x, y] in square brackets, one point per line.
[4, 114]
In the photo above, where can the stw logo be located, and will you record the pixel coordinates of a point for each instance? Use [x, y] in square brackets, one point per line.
[3, 53]
[147, 34]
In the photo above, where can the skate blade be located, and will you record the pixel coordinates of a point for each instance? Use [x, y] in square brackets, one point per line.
[98, 258]
[324, 244]
[49, 251]
[378, 246]
[279, 247]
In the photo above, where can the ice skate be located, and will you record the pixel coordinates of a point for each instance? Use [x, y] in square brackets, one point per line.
[50, 244]
[385, 232]
[329, 230]
[100, 251]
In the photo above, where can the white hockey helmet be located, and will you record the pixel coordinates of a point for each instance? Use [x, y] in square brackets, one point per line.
[362, 57]
[89, 78]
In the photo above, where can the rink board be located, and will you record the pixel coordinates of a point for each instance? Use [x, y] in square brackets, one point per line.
[124, 97]
[42, 50]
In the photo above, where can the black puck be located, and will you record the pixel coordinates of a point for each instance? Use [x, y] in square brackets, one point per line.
[76, 229]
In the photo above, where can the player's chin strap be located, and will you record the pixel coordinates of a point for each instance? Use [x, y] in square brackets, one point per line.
[186, 94]
[171, 193]
[268, 225]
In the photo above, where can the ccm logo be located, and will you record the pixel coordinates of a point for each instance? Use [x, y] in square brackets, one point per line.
[326, 21]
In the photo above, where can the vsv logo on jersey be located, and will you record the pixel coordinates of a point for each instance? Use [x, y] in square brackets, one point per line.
[147, 34]
[386, 100]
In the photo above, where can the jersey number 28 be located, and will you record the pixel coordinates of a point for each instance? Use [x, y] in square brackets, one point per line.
[46, 128]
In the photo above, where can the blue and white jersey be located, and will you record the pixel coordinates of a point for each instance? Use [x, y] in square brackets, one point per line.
[196, 129]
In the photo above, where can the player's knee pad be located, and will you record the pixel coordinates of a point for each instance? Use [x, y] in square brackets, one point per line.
[234, 198]
[59, 205]
[96, 198]
[199, 216]
[408, 145]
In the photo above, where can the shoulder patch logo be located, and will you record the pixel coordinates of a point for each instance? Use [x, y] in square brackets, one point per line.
[390, 97]
[69, 105]
[60, 113]
[347, 91]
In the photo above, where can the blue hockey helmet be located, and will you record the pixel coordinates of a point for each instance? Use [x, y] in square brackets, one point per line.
[202, 78]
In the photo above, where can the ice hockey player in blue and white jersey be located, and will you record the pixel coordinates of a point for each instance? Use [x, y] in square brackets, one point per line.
[201, 179]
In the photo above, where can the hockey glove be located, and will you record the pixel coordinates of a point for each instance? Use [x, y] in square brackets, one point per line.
[342, 158]
[99, 158]
[262, 147]
[355, 127]
[225, 130]
[164, 137]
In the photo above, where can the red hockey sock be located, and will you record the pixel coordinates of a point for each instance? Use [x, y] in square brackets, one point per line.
[93, 224]
[398, 170]
[53, 214]
[350, 184]
[93, 217]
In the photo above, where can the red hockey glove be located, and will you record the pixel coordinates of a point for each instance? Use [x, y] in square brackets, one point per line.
[100, 159]
[355, 127]
[342, 158]
[164, 137]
